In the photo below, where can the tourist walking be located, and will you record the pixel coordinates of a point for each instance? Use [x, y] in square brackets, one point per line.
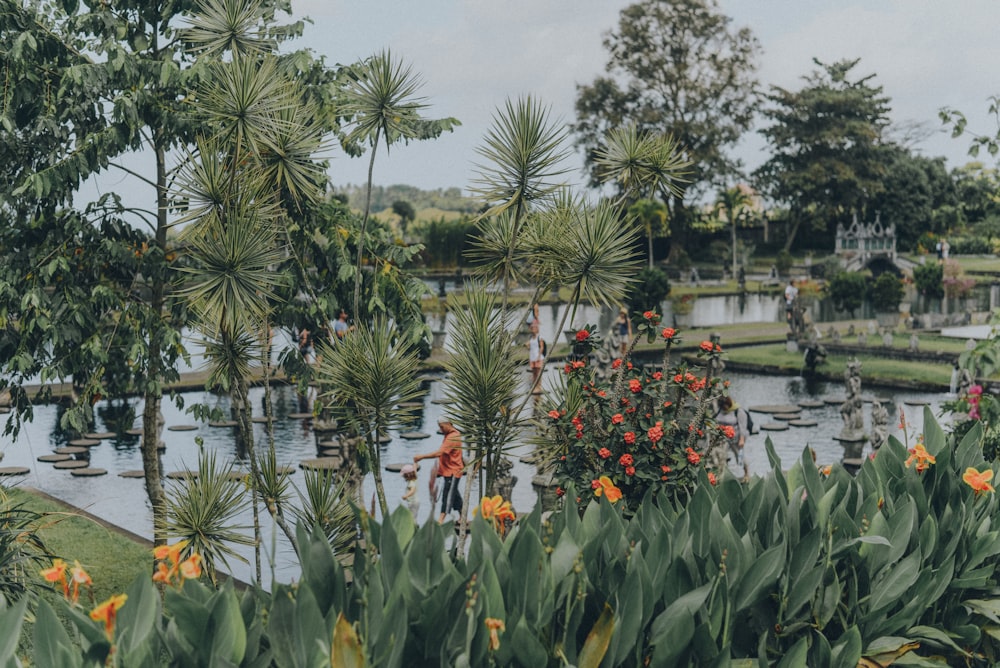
[623, 330]
[450, 466]
[340, 326]
[409, 473]
[731, 415]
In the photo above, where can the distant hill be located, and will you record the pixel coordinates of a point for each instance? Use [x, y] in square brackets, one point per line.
[440, 201]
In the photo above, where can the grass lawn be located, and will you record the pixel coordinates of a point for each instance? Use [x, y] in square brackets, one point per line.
[111, 558]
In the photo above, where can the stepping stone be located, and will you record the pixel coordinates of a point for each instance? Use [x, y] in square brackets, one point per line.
[54, 458]
[182, 427]
[396, 468]
[182, 475]
[330, 452]
[88, 472]
[414, 435]
[916, 402]
[811, 403]
[324, 427]
[4, 410]
[14, 470]
[134, 432]
[135, 473]
[774, 426]
[321, 463]
[72, 464]
[85, 442]
[786, 416]
[72, 450]
[803, 423]
[237, 475]
[259, 419]
[834, 401]
[223, 423]
[775, 408]
[300, 416]
[98, 435]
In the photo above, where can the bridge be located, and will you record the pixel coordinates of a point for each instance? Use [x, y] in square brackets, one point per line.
[870, 246]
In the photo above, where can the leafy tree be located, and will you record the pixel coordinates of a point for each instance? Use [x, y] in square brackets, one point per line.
[826, 141]
[651, 287]
[405, 211]
[916, 188]
[652, 216]
[886, 292]
[847, 290]
[676, 69]
[734, 204]
[928, 278]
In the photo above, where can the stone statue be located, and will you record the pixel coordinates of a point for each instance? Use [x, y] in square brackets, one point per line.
[862, 339]
[914, 343]
[850, 410]
[887, 338]
[880, 424]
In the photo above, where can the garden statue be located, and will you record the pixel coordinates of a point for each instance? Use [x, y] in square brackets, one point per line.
[880, 424]
[850, 410]
[887, 338]
[815, 355]
[862, 339]
[836, 336]
[914, 343]
[850, 329]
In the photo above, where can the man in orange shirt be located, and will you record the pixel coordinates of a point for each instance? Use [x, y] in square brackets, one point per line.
[450, 466]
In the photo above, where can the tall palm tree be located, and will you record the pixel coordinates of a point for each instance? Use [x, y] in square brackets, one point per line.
[733, 203]
[381, 99]
[652, 215]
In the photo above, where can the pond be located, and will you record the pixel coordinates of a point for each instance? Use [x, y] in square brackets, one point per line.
[122, 501]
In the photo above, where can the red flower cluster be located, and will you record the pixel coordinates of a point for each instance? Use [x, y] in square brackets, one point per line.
[626, 460]
[692, 456]
[668, 333]
[635, 386]
[710, 347]
[582, 335]
[655, 433]
[629, 437]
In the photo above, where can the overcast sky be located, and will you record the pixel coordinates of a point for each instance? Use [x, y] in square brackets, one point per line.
[474, 54]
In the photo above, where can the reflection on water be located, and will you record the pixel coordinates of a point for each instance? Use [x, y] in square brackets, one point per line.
[123, 501]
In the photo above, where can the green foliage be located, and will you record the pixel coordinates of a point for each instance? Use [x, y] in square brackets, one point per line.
[445, 199]
[886, 292]
[22, 551]
[445, 241]
[783, 262]
[928, 279]
[977, 245]
[847, 290]
[801, 567]
[647, 293]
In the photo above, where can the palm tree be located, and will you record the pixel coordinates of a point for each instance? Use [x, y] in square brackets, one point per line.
[370, 372]
[733, 203]
[652, 215]
[381, 100]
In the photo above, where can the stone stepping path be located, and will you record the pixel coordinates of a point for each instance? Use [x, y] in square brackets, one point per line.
[834, 401]
[182, 427]
[72, 450]
[14, 470]
[49, 459]
[88, 472]
[300, 416]
[774, 408]
[134, 432]
[916, 402]
[259, 419]
[786, 416]
[330, 452]
[100, 435]
[414, 435]
[803, 423]
[323, 427]
[181, 475]
[134, 473]
[72, 464]
[811, 403]
[84, 442]
[223, 423]
[398, 466]
[321, 464]
[774, 426]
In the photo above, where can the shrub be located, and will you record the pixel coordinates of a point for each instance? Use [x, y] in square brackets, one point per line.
[847, 290]
[928, 279]
[651, 287]
[783, 262]
[978, 245]
[886, 292]
[954, 281]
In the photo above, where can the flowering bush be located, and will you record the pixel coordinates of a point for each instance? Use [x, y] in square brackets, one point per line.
[641, 428]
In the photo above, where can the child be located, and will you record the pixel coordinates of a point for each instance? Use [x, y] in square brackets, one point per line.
[409, 472]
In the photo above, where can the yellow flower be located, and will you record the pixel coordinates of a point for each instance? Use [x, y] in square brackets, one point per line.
[496, 627]
[107, 611]
[979, 481]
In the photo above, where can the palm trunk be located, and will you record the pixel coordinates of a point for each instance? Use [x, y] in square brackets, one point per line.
[364, 229]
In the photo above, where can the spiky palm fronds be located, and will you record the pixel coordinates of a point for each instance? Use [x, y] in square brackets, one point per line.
[483, 374]
[641, 162]
[382, 101]
[523, 151]
[326, 503]
[201, 509]
[221, 26]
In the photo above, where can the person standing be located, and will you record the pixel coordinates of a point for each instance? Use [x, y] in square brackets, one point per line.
[623, 329]
[536, 357]
[340, 326]
[731, 415]
[409, 473]
[450, 466]
[791, 292]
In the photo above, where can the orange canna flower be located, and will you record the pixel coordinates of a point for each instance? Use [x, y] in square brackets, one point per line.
[920, 455]
[496, 627]
[107, 611]
[162, 573]
[171, 552]
[979, 481]
[79, 577]
[57, 573]
[608, 489]
[190, 568]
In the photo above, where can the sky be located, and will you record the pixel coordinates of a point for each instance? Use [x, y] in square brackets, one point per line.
[472, 55]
